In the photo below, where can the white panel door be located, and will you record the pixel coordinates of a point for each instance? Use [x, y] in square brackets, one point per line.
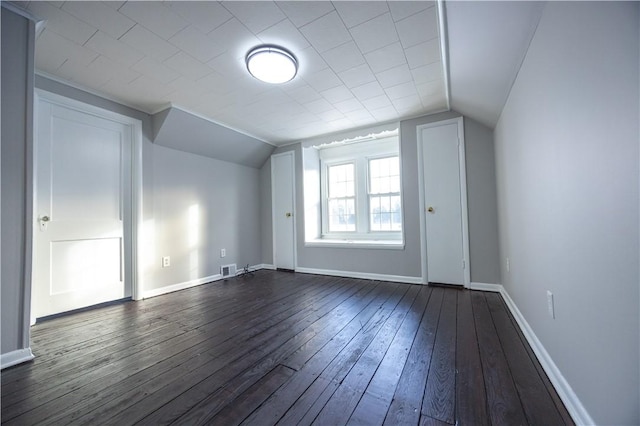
[282, 188]
[82, 166]
[443, 204]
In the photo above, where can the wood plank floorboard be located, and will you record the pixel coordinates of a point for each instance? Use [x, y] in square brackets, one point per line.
[285, 348]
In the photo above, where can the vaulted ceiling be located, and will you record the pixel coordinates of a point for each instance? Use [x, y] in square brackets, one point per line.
[360, 62]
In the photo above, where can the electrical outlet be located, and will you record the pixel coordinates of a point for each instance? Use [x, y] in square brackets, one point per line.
[223, 252]
[166, 261]
[508, 265]
[550, 307]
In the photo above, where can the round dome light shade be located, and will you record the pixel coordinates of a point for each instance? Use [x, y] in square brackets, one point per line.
[272, 64]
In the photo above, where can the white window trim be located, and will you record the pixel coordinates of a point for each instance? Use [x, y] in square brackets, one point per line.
[358, 154]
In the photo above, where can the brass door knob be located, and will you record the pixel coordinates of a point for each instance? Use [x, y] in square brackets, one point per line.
[45, 218]
[430, 209]
[287, 214]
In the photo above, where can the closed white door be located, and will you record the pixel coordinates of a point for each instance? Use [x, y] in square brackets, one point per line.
[443, 204]
[283, 199]
[83, 176]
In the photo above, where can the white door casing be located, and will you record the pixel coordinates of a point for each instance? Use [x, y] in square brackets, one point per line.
[283, 206]
[86, 205]
[443, 201]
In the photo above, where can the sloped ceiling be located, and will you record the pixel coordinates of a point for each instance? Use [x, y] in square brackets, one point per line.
[487, 42]
[361, 62]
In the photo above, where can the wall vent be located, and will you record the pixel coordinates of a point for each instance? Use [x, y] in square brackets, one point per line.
[228, 270]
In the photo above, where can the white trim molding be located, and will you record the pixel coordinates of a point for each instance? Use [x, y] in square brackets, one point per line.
[362, 275]
[180, 286]
[571, 401]
[15, 357]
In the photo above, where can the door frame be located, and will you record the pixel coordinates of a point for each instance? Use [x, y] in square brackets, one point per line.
[292, 159]
[463, 195]
[135, 127]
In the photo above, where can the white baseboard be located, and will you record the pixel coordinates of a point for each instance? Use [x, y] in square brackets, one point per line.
[495, 288]
[263, 266]
[571, 401]
[193, 283]
[16, 357]
[363, 275]
[180, 286]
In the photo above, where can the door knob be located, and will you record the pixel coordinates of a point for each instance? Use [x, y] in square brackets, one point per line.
[45, 218]
[430, 209]
[287, 214]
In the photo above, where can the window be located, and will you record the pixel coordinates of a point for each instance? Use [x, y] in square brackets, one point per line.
[360, 194]
[341, 203]
[385, 212]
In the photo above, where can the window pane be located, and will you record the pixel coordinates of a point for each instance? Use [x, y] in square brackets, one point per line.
[385, 213]
[384, 175]
[342, 215]
[341, 181]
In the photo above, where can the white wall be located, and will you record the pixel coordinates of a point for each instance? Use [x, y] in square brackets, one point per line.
[567, 163]
[200, 205]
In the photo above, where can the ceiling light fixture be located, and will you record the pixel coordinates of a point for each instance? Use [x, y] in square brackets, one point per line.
[272, 64]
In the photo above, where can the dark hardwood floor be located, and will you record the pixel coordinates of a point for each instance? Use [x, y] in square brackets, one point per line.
[285, 348]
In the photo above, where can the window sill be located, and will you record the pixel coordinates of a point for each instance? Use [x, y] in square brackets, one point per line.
[360, 244]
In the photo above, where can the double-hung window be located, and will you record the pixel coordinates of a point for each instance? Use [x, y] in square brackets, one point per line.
[361, 192]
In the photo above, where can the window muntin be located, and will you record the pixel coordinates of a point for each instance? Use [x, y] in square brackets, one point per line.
[341, 200]
[385, 207]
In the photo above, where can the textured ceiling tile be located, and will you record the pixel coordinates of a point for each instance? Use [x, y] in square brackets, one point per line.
[344, 57]
[386, 57]
[384, 114]
[377, 102]
[215, 82]
[228, 65]
[284, 34]
[255, 15]
[348, 105]
[359, 115]
[394, 76]
[310, 62]
[331, 115]
[150, 66]
[80, 75]
[144, 40]
[401, 91]
[410, 103]
[114, 49]
[367, 91]
[154, 16]
[423, 53]
[62, 23]
[111, 70]
[301, 13]
[404, 9]
[235, 37]
[357, 76]
[187, 66]
[418, 28]
[326, 33]
[100, 16]
[318, 106]
[303, 94]
[427, 73]
[356, 12]
[204, 15]
[53, 44]
[323, 80]
[374, 34]
[197, 44]
[337, 94]
[429, 89]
